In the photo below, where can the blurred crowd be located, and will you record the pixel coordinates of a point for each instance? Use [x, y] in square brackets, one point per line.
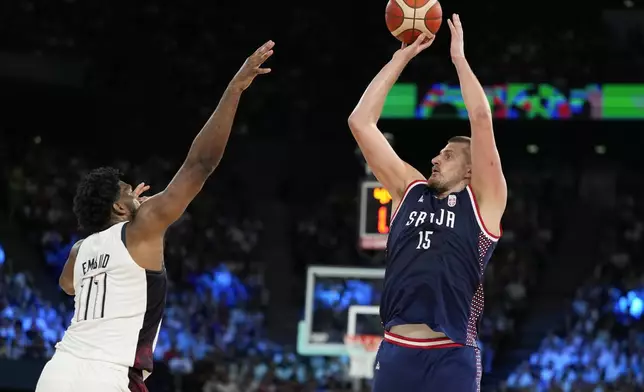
[602, 348]
[213, 331]
[29, 326]
[530, 224]
[217, 298]
[216, 342]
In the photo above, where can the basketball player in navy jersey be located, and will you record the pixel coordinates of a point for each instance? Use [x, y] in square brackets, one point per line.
[443, 231]
[117, 274]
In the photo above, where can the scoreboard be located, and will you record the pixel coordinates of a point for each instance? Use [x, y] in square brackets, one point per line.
[375, 213]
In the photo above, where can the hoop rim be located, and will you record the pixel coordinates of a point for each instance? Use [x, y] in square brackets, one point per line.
[366, 342]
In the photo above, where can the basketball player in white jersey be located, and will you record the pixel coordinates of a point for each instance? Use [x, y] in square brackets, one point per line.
[117, 275]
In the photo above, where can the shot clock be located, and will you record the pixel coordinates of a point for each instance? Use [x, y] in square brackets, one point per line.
[375, 214]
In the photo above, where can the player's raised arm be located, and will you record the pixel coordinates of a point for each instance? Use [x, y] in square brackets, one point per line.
[66, 279]
[164, 208]
[389, 169]
[487, 182]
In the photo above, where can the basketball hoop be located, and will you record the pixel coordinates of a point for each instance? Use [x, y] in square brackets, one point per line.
[362, 352]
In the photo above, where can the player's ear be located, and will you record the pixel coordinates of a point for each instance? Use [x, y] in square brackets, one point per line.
[119, 208]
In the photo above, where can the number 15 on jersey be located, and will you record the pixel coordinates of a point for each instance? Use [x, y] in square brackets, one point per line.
[424, 239]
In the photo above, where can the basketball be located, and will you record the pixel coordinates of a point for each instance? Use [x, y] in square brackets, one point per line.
[407, 19]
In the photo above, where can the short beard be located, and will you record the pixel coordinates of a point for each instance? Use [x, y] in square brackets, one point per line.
[133, 213]
[437, 187]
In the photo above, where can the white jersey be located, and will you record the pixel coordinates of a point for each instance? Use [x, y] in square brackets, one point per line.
[118, 305]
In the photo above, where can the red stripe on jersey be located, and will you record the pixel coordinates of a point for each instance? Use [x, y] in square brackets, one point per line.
[411, 185]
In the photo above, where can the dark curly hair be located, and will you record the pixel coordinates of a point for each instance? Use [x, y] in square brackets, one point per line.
[94, 198]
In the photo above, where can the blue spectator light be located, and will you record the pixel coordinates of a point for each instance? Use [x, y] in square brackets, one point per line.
[630, 304]
[223, 277]
[636, 307]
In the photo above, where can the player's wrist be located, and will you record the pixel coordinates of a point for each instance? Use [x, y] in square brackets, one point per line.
[402, 56]
[235, 87]
[460, 59]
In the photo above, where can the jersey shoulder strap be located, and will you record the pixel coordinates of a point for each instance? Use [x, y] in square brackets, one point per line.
[410, 192]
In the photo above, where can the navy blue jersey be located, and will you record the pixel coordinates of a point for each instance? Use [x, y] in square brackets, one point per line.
[437, 251]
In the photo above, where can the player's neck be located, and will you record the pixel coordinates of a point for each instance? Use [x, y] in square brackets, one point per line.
[117, 219]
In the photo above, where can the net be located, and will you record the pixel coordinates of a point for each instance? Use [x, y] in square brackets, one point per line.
[362, 353]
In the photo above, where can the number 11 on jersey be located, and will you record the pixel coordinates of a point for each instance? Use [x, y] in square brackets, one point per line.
[91, 299]
[424, 239]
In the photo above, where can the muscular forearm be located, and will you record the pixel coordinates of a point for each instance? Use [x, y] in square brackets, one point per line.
[370, 106]
[209, 145]
[473, 94]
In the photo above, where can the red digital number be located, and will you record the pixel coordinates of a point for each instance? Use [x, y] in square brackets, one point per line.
[382, 220]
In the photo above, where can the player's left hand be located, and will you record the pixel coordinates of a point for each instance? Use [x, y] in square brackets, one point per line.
[253, 67]
[457, 47]
[141, 188]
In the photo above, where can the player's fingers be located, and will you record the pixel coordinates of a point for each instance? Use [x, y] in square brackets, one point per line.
[268, 45]
[262, 54]
[451, 26]
[262, 71]
[265, 56]
[420, 39]
[141, 188]
[457, 20]
[428, 42]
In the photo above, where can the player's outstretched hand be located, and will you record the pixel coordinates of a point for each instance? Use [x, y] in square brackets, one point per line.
[253, 67]
[410, 51]
[457, 47]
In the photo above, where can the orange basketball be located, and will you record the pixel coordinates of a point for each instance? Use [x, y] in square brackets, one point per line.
[407, 19]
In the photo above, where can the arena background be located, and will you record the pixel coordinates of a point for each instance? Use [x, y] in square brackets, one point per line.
[87, 83]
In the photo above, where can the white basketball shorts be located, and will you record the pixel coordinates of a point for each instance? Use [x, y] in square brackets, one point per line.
[68, 373]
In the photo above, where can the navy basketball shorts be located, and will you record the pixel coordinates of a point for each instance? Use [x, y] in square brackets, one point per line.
[424, 365]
